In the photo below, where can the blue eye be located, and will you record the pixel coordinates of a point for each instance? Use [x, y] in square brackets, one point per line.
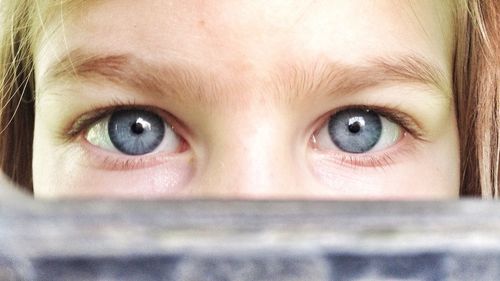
[358, 131]
[133, 132]
[355, 130]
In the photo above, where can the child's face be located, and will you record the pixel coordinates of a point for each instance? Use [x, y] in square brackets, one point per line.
[249, 99]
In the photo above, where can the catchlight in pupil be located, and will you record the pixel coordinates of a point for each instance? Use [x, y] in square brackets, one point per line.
[355, 124]
[140, 125]
[355, 130]
[136, 132]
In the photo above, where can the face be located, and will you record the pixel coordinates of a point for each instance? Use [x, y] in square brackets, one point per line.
[247, 99]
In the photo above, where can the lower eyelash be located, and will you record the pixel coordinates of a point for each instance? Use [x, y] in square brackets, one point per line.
[111, 163]
[367, 161]
[375, 160]
[132, 163]
[108, 161]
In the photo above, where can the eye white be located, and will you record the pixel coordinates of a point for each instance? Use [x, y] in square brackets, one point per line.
[98, 135]
[390, 135]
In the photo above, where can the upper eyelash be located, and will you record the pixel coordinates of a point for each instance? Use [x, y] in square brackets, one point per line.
[85, 121]
[393, 115]
[383, 158]
[97, 113]
[93, 114]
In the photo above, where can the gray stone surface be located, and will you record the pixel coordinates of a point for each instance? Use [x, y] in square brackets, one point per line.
[242, 240]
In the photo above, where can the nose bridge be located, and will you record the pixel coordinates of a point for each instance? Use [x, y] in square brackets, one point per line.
[252, 158]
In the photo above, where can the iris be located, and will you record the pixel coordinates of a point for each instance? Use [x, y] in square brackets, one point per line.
[136, 132]
[355, 130]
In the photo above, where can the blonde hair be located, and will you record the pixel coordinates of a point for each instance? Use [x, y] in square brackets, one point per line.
[477, 93]
[476, 88]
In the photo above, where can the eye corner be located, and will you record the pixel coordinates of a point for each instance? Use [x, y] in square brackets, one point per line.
[358, 134]
[135, 131]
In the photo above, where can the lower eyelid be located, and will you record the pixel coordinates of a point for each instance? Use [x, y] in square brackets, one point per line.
[98, 158]
[113, 162]
[378, 159]
[85, 123]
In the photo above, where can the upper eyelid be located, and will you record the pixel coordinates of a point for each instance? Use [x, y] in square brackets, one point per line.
[408, 123]
[402, 119]
[84, 121]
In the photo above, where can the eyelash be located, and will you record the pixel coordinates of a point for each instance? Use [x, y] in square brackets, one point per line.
[113, 161]
[392, 114]
[95, 113]
[377, 159]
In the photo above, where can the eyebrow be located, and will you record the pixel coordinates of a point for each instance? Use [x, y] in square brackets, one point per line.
[291, 80]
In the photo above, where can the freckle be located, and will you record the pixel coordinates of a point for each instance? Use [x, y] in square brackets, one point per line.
[201, 23]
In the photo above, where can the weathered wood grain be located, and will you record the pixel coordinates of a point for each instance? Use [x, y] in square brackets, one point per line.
[248, 240]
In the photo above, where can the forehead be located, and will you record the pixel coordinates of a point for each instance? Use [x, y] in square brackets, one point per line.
[242, 37]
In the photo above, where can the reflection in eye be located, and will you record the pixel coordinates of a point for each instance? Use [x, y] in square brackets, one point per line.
[358, 131]
[133, 132]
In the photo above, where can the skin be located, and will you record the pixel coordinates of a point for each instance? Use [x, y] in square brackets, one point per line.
[254, 134]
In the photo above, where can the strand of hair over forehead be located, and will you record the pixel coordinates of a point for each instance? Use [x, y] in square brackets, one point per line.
[15, 46]
[27, 21]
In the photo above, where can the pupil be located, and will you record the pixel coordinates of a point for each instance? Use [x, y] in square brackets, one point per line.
[137, 128]
[135, 132]
[355, 130]
[355, 127]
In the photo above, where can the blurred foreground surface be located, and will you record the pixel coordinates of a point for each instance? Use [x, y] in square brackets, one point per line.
[242, 240]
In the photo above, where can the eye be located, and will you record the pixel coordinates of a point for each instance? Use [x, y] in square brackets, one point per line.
[133, 132]
[358, 131]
